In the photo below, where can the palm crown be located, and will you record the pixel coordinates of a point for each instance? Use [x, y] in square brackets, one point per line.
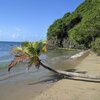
[29, 51]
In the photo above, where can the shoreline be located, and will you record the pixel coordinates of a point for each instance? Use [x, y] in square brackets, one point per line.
[28, 89]
[67, 89]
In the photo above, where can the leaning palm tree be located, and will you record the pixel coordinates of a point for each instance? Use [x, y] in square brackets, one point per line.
[30, 52]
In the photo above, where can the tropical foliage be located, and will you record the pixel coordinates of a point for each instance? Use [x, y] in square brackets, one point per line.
[58, 27]
[96, 46]
[81, 26]
[29, 51]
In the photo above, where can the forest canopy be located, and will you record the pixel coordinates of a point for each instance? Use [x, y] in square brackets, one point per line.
[81, 26]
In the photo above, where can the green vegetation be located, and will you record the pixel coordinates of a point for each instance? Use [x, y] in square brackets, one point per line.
[80, 27]
[28, 51]
[96, 46]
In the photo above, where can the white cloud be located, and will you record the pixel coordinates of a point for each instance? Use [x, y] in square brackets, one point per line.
[15, 35]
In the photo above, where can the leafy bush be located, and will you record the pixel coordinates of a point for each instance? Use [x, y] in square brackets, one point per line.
[96, 46]
[81, 26]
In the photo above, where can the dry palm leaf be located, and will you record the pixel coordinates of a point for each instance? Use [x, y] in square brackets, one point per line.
[17, 60]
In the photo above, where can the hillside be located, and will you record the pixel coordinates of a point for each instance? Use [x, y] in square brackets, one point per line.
[77, 29]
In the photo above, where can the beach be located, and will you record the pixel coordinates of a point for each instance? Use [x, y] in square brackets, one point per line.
[28, 86]
[21, 84]
[50, 50]
[22, 90]
[68, 89]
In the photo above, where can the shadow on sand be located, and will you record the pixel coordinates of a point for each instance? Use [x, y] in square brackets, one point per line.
[56, 77]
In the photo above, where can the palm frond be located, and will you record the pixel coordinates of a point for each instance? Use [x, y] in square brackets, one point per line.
[30, 51]
[30, 63]
[45, 48]
[17, 50]
[25, 44]
[34, 60]
[16, 61]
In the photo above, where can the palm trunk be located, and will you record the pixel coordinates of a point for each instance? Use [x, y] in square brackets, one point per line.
[71, 74]
[75, 74]
[48, 68]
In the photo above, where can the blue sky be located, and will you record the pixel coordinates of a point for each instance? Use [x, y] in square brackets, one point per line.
[28, 20]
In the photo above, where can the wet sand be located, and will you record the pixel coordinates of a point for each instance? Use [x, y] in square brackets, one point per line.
[67, 89]
[29, 87]
[22, 90]
[22, 85]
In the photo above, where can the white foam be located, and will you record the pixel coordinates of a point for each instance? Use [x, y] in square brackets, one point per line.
[78, 55]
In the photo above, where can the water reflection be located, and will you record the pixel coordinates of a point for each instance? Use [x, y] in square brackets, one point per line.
[59, 59]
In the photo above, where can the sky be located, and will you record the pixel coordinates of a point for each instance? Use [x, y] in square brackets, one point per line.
[28, 20]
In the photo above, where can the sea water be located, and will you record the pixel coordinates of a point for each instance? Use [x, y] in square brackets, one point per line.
[54, 58]
[5, 50]
[5, 55]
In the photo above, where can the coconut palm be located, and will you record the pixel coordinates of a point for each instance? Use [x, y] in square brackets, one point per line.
[31, 51]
